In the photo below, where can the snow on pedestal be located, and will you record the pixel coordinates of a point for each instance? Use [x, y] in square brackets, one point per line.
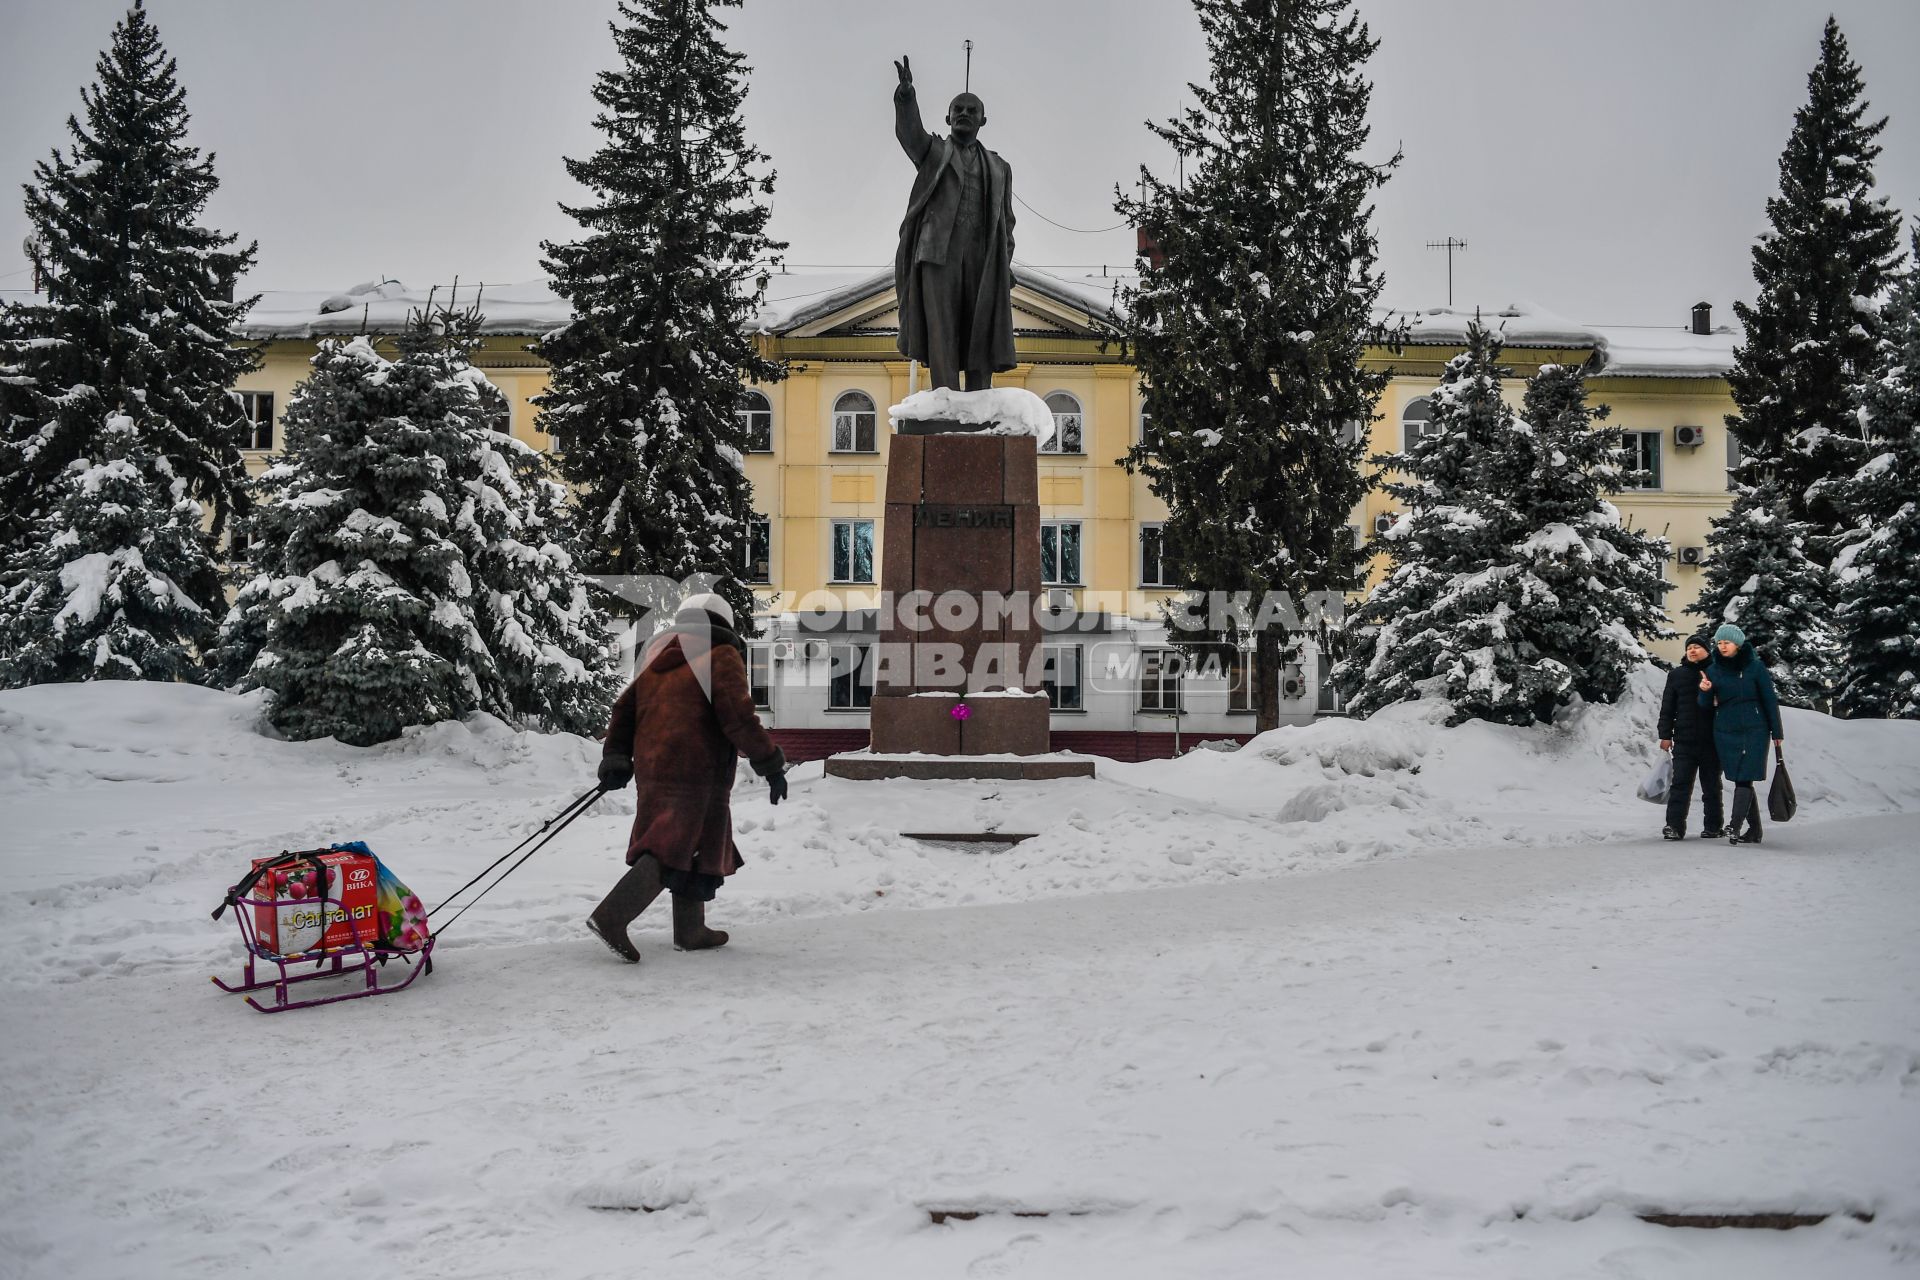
[1006, 411]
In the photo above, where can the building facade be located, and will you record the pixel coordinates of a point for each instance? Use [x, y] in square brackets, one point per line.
[818, 466]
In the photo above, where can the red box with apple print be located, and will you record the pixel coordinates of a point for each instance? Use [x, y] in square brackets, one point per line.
[287, 910]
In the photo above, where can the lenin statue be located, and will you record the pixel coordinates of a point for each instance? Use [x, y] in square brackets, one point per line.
[953, 272]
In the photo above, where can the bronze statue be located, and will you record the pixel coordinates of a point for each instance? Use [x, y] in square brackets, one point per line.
[953, 272]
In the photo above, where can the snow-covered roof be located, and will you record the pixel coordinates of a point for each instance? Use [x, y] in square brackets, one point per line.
[803, 295]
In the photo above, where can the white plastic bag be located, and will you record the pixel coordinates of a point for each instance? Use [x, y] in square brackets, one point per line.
[1654, 789]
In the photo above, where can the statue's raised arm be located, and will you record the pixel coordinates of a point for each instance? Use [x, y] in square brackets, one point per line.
[913, 136]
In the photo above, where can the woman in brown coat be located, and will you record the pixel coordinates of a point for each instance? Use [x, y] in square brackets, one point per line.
[679, 729]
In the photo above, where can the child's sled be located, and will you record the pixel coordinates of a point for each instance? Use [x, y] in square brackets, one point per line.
[333, 912]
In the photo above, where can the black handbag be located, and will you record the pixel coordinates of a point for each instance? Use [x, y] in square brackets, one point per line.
[1780, 801]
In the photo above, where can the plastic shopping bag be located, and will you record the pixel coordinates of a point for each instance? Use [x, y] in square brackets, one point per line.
[1654, 789]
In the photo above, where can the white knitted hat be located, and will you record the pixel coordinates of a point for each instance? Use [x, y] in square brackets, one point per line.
[707, 602]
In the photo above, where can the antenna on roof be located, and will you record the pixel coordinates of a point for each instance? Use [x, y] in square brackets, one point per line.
[1449, 244]
[966, 85]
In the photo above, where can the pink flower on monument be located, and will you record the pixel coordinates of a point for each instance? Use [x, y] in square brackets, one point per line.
[960, 711]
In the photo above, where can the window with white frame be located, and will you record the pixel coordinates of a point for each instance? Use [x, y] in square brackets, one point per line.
[1239, 665]
[1160, 680]
[1643, 455]
[1329, 701]
[851, 685]
[760, 674]
[755, 415]
[853, 551]
[1060, 676]
[1146, 428]
[1153, 566]
[1416, 422]
[1353, 431]
[1060, 553]
[854, 423]
[1733, 458]
[758, 549]
[1068, 422]
[256, 418]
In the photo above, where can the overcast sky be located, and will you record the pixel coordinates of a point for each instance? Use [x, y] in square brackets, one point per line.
[1608, 161]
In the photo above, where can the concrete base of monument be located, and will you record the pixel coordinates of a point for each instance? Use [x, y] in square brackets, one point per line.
[867, 766]
[1007, 722]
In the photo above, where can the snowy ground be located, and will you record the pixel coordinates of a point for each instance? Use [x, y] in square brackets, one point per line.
[1363, 999]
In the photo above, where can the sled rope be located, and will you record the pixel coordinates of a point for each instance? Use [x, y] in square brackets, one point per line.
[547, 830]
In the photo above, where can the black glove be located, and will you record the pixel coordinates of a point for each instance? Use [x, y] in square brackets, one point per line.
[774, 769]
[615, 772]
[776, 787]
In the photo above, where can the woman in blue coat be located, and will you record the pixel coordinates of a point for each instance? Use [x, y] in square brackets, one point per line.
[1746, 712]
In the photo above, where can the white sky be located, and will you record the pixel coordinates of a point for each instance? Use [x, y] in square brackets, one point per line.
[1607, 161]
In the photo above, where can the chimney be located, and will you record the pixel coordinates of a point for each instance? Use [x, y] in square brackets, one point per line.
[1150, 249]
[1703, 317]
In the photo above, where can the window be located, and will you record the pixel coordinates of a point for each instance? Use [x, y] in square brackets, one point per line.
[1159, 680]
[1733, 458]
[853, 551]
[852, 687]
[1067, 423]
[1416, 423]
[1329, 702]
[1060, 553]
[1643, 454]
[1146, 428]
[1153, 572]
[1240, 681]
[1353, 431]
[1060, 676]
[853, 423]
[239, 545]
[758, 549]
[755, 415]
[256, 419]
[760, 674]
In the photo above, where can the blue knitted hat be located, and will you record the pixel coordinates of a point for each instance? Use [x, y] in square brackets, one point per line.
[1728, 631]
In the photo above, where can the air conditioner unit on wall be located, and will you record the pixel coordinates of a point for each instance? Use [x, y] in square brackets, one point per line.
[783, 650]
[1383, 522]
[1689, 437]
[1293, 684]
[1693, 555]
[1059, 599]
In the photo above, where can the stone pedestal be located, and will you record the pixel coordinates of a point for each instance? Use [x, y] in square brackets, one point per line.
[962, 546]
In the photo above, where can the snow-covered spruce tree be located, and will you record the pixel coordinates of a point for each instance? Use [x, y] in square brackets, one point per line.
[1514, 585]
[1761, 576]
[406, 563]
[1249, 337]
[1813, 331]
[674, 263]
[548, 642]
[357, 620]
[103, 585]
[1877, 573]
[135, 322]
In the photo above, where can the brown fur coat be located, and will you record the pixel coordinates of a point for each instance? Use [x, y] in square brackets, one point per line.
[685, 746]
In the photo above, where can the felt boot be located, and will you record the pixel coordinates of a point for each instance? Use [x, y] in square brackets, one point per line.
[633, 894]
[690, 932]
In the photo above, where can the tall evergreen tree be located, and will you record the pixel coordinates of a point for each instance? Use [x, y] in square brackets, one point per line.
[104, 584]
[1877, 574]
[1515, 585]
[1249, 337]
[1762, 577]
[407, 570]
[137, 321]
[1813, 330]
[675, 261]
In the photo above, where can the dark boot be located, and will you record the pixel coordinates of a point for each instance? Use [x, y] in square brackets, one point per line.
[1753, 825]
[690, 932]
[622, 906]
[1744, 813]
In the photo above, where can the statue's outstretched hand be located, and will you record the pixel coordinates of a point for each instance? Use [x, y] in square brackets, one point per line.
[905, 67]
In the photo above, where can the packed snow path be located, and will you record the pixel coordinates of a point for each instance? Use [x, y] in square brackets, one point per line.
[1478, 1062]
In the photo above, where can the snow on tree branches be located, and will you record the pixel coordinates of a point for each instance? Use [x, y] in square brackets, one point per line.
[647, 379]
[1249, 336]
[1877, 573]
[1514, 585]
[407, 570]
[1762, 577]
[137, 321]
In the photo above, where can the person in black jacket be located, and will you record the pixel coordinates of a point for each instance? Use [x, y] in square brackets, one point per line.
[1686, 729]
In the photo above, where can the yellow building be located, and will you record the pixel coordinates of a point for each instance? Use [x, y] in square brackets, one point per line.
[819, 464]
